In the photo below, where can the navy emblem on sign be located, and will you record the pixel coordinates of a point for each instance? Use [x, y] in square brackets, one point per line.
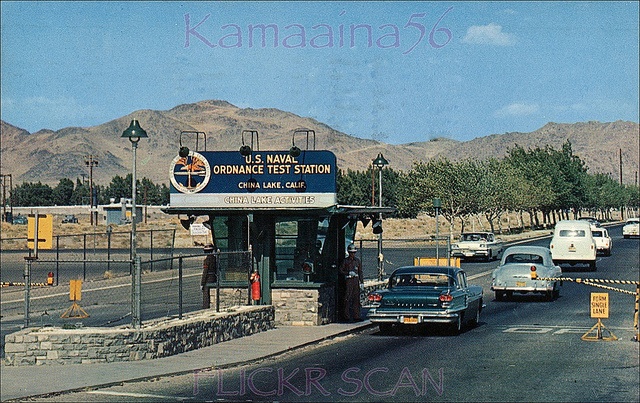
[190, 174]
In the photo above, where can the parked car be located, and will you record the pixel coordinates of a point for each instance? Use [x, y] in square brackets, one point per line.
[519, 269]
[70, 219]
[603, 241]
[573, 243]
[631, 228]
[426, 294]
[20, 220]
[477, 244]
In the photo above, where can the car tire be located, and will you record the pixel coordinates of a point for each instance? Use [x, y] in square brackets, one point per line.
[592, 265]
[489, 256]
[548, 295]
[499, 296]
[385, 328]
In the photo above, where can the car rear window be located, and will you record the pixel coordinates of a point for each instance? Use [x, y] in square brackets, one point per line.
[596, 234]
[573, 233]
[523, 258]
[421, 279]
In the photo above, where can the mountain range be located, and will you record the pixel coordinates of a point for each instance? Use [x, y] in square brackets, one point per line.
[47, 156]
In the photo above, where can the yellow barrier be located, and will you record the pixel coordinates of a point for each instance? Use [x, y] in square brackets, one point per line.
[432, 261]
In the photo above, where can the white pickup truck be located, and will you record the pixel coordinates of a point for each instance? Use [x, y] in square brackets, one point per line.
[478, 245]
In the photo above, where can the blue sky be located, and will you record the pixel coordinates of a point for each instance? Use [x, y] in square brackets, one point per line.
[454, 69]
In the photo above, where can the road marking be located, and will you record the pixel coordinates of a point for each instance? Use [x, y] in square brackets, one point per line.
[100, 288]
[538, 330]
[484, 273]
[140, 395]
[555, 330]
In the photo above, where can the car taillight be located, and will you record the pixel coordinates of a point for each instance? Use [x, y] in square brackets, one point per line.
[374, 297]
[446, 298]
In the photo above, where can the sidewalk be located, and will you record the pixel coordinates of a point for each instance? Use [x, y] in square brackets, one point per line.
[24, 381]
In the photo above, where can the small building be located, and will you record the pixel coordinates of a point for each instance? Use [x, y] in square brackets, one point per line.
[274, 212]
[120, 213]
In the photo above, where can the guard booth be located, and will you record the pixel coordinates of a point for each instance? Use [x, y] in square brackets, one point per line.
[275, 212]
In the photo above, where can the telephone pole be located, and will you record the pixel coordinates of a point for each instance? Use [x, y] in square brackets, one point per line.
[91, 161]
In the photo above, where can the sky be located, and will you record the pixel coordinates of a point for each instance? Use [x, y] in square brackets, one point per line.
[397, 72]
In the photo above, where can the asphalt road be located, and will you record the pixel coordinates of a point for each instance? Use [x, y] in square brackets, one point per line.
[526, 349]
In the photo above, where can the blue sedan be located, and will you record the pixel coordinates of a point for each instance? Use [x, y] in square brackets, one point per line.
[426, 294]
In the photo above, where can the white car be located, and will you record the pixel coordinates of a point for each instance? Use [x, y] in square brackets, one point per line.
[631, 228]
[477, 244]
[519, 270]
[603, 240]
[573, 243]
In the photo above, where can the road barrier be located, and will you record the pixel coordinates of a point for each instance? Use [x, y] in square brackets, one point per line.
[11, 283]
[599, 282]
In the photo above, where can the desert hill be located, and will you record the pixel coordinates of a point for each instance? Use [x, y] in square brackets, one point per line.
[48, 156]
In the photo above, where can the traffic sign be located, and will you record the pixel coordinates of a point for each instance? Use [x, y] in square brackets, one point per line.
[599, 305]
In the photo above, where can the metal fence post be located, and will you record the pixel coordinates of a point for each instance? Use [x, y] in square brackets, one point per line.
[108, 247]
[151, 244]
[57, 259]
[131, 253]
[27, 286]
[84, 257]
[180, 287]
[173, 242]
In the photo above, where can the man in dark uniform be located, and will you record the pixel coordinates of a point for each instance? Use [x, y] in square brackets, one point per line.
[209, 275]
[351, 268]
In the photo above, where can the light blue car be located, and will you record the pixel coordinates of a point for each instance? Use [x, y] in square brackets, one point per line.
[519, 272]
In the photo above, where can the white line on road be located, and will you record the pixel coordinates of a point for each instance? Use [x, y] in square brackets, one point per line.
[484, 273]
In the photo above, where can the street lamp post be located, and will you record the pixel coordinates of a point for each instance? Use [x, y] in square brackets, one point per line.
[380, 162]
[134, 133]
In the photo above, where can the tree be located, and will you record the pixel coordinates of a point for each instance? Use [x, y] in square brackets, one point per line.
[32, 194]
[80, 194]
[63, 193]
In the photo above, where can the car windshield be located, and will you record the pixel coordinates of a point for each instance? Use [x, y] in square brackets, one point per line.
[421, 279]
[633, 221]
[523, 258]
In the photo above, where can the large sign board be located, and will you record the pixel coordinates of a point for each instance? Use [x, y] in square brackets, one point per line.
[261, 180]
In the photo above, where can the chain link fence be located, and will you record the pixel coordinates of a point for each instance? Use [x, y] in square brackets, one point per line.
[397, 253]
[171, 284]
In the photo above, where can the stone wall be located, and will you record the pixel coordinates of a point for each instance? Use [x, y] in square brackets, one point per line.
[50, 345]
[304, 306]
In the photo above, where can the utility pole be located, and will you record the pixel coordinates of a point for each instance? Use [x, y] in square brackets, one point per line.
[621, 167]
[4, 178]
[91, 161]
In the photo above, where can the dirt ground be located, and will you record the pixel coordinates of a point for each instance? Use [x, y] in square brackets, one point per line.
[422, 227]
